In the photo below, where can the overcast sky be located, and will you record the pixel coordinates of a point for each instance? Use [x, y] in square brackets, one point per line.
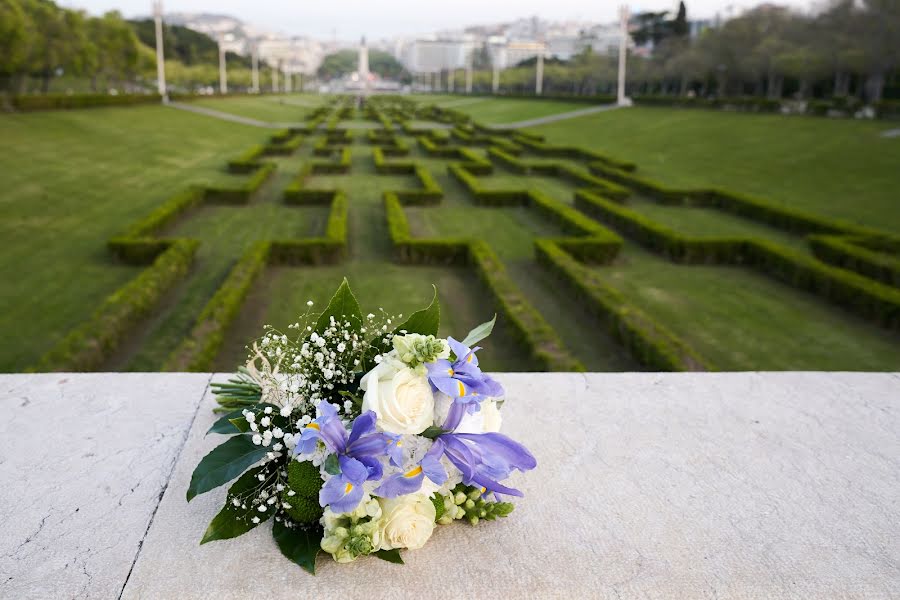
[349, 19]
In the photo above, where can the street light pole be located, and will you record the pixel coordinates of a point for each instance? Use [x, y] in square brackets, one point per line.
[223, 81]
[469, 72]
[623, 50]
[255, 60]
[160, 60]
[539, 75]
[275, 69]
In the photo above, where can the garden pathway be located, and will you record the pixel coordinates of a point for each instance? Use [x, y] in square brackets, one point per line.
[582, 112]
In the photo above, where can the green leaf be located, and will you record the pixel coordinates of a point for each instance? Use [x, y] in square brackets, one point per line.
[342, 305]
[426, 321]
[224, 424]
[223, 464]
[232, 520]
[433, 432]
[332, 467]
[298, 545]
[479, 333]
[390, 556]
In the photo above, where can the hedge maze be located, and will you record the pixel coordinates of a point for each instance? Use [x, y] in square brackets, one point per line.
[539, 226]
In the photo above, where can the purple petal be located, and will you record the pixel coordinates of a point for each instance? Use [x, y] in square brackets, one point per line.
[373, 466]
[460, 455]
[353, 470]
[431, 463]
[454, 416]
[341, 495]
[459, 350]
[363, 424]
[368, 445]
[394, 449]
[503, 447]
[401, 484]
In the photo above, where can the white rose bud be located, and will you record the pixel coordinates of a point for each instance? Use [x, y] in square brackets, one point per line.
[406, 522]
[401, 398]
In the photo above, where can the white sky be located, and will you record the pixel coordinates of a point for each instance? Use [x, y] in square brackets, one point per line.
[349, 19]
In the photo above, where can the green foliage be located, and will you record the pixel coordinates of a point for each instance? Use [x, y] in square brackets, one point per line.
[299, 545]
[648, 341]
[304, 478]
[87, 346]
[247, 161]
[198, 351]
[479, 333]
[439, 508]
[345, 62]
[343, 306]
[845, 252]
[304, 510]
[391, 556]
[66, 101]
[224, 463]
[232, 520]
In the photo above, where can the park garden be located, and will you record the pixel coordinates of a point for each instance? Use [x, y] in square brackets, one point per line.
[146, 238]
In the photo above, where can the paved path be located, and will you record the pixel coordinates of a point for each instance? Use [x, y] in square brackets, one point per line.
[649, 485]
[891, 133]
[209, 112]
[582, 112]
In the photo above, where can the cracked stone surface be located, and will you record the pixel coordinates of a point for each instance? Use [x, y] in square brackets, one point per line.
[749, 485]
[84, 460]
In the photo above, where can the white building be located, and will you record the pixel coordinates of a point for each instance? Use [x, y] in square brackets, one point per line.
[296, 55]
[434, 55]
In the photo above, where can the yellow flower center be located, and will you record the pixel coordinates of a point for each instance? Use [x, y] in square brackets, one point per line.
[348, 488]
[413, 472]
[313, 426]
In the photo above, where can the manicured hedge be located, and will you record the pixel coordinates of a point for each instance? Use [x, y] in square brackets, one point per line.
[651, 344]
[247, 161]
[66, 101]
[199, 350]
[330, 248]
[89, 345]
[544, 149]
[522, 319]
[284, 148]
[867, 298]
[330, 168]
[742, 103]
[242, 194]
[384, 167]
[847, 253]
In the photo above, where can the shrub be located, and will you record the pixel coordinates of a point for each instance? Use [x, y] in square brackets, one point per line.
[328, 167]
[89, 345]
[247, 161]
[242, 194]
[646, 340]
[384, 167]
[66, 101]
[199, 350]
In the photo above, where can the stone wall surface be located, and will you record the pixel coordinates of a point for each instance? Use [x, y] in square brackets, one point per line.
[742, 485]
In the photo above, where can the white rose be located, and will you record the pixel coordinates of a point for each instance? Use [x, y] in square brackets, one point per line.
[401, 398]
[406, 522]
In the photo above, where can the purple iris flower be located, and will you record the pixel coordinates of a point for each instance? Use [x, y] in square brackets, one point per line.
[462, 379]
[401, 484]
[487, 458]
[358, 449]
[344, 491]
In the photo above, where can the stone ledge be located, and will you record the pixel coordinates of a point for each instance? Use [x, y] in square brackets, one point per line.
[743, 485]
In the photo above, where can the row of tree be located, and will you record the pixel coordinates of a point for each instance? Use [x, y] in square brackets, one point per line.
[850, 49]
[40, 40]
[42, 44]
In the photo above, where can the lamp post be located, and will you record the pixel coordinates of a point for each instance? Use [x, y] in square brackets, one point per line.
[450, 75]
[255, 64]
[623, 51]
[495, 63]
[469, 72]
[160, 60]
[223, 78]
[275, 68]
[539, 74]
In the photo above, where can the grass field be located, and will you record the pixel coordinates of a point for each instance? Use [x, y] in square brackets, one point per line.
[74, 179]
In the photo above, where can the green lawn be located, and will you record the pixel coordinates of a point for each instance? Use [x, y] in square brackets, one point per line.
[71, 180]
[279, 108]
[833, 167]
[741, 320]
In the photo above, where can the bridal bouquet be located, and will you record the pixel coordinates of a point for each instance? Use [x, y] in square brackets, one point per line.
[357, 436]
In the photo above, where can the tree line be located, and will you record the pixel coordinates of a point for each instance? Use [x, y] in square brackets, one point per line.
[851, 49]
[45, 47]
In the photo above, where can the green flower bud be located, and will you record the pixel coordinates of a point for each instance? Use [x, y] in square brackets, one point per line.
[304, 478]
[469, 505]
[459, 498]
